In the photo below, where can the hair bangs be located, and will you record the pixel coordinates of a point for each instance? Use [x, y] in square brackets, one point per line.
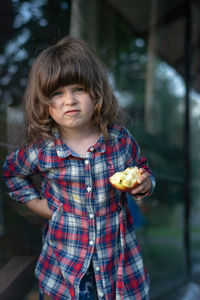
[62, 71]
[76, 71]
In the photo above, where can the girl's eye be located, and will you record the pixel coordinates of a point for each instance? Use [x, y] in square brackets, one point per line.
[57, 93]
[79, 90]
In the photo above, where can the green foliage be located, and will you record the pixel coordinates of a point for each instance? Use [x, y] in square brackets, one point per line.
[36, 24]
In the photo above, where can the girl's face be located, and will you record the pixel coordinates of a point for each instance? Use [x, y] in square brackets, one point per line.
[71, 108]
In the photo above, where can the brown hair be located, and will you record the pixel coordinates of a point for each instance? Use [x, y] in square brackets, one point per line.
[70, 61]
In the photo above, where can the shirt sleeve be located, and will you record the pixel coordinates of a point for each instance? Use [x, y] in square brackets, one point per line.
[134, 158]
[18, 169]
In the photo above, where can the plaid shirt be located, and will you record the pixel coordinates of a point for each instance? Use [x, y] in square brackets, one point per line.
[91, 220]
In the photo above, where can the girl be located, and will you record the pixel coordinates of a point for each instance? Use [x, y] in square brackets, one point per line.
[90, 250]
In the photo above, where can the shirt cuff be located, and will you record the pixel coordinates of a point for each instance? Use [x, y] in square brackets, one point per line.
[28, 196]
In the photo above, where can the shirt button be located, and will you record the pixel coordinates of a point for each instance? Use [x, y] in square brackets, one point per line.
[101, 294]
[89, 188]
[91, 243]
[91, 148]
[97, 269]
[86, 162]
[91, 216]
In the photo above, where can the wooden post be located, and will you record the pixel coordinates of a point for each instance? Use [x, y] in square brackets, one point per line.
[75, 20]
[148, 105]
[187, 141]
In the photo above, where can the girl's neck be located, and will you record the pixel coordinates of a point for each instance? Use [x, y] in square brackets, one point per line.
[80, 141]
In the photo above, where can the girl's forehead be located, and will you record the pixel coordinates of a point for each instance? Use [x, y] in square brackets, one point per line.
[62, 72]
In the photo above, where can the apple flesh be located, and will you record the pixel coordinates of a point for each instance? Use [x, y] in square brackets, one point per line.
[126, 180]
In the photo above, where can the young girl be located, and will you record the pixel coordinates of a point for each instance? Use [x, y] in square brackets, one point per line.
[90, 250]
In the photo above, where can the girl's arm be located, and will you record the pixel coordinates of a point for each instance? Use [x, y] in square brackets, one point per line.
[134, 158]
[40, 207]
[18, 170]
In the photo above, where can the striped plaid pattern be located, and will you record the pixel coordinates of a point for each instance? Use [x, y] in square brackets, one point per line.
[91, 221]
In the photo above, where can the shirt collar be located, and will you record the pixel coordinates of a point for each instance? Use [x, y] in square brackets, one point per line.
[61, 148]
[64, 151]
[100, 146]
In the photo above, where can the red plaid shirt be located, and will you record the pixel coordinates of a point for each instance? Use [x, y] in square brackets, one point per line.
[91, 220]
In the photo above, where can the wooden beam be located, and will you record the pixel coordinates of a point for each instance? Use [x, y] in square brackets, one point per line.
[17, 277]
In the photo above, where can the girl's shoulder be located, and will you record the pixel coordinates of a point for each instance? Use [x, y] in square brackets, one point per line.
[119, 132]
[38, 145]
[32, 151]
[119, 135]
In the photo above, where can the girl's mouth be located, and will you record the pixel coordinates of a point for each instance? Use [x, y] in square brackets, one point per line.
[72, 112]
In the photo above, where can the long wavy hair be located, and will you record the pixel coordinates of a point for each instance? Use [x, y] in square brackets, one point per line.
[70, 61]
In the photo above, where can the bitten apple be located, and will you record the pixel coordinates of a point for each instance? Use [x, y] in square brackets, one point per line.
[126, 180]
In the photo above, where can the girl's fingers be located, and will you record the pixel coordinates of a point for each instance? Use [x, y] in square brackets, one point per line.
[144, 185]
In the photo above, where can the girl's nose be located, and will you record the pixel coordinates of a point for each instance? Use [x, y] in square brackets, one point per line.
[69, 98]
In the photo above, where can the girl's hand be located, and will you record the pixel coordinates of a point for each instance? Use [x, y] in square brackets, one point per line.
[144, 186]
[40, 207]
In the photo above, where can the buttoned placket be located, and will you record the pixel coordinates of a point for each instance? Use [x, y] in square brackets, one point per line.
[88, 199]
[91, 214]
[97, 271]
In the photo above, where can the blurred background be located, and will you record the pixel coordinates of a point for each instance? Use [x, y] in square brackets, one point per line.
[151, 50]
